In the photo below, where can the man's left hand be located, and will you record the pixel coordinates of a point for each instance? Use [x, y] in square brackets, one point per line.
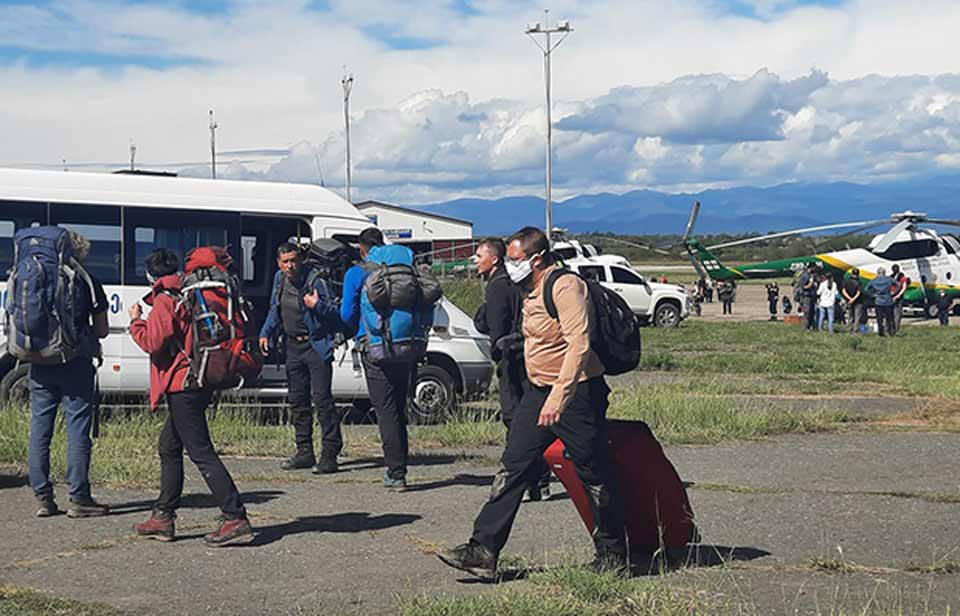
[310, 300]
[548, 416]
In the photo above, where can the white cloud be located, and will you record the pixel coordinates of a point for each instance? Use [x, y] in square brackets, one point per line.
[464, 114]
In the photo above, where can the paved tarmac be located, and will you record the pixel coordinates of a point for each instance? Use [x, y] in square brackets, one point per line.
[868, 505]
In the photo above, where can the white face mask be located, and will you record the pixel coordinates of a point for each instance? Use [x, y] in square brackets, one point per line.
[520, 270]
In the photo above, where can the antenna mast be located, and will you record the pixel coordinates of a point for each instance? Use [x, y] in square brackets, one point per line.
[347, 83]
[213, 147]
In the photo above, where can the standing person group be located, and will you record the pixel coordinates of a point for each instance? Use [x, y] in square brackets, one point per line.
[565, 396]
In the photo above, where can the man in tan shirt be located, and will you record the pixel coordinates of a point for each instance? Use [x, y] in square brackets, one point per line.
[565, 397]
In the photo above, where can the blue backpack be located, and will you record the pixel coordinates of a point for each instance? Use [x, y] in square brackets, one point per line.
[396, 305]
[45, 297]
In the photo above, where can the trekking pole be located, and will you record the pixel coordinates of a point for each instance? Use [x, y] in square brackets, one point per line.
[96, 399]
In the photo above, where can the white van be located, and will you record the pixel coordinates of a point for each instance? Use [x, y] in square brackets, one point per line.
[126, 216]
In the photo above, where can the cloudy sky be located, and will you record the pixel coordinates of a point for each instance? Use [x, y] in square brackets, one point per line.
[448, 98]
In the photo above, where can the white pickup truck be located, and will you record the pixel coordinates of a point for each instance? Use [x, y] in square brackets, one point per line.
[663, 305]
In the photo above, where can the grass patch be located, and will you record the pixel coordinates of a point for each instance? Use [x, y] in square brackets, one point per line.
[15, 601]
[465, 292]
[675, 416]
[566, 591]
[918, 362]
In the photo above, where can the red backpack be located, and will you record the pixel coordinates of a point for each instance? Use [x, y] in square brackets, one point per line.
[224, 352]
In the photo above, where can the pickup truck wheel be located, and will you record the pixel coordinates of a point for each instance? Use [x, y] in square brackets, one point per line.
[15, 385]
[667, 315]
[433, 396]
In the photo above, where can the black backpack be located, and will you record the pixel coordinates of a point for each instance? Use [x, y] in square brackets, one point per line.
[615, 337]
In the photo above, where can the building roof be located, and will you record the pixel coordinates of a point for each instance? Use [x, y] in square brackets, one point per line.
[367, 204]
[141, 190]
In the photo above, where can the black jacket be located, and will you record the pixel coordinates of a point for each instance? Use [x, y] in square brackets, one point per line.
[500, 313]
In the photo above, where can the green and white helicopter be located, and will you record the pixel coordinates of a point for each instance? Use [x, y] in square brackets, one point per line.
[931, 260]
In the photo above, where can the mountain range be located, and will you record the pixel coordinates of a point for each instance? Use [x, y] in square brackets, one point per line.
[731, 210]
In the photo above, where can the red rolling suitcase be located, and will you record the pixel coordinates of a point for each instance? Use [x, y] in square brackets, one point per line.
[657, 510]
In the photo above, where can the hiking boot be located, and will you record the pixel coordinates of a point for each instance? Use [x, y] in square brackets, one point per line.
[230, 531]
[46, 506]
[86, 508]
[159, 526]
[301, 460]
[325, 467]
[472, 558]
[397, 485]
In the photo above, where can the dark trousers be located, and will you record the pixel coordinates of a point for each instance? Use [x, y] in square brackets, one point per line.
[186, 428]
[308, 388]
[857, 314]
[810, 311]
[583, 430]
[511, 375]
[944, 316]
[727, 306]
[885, 324]
[772, 305]
[389, 386]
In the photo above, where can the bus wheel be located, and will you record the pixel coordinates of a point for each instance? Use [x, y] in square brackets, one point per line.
[15, 385]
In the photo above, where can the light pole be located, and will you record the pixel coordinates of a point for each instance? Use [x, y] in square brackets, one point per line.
[562, 27]
[213, 147]
[347, 83]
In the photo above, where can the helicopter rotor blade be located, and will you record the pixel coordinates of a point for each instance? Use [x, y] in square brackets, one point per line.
[942, 221]
[694, 213]
[770, 236]
[642, 246]
[891, 235]
[832, 238]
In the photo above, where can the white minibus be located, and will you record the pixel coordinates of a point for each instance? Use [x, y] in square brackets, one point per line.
[127, 215]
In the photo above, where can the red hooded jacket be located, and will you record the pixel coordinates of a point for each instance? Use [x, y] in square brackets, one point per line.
[163, 335]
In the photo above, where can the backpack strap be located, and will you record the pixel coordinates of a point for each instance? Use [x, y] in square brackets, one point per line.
[548, 300]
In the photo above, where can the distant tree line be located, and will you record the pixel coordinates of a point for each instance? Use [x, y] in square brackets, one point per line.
[780, 248]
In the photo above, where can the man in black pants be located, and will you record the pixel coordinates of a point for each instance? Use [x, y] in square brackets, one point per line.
[565, 396]
[389, 384]
[499, 317]
[302, 309]
[808, 289]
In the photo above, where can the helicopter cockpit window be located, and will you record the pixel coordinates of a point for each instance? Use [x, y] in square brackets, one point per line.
[951, 244]
[565, 253]
[914, 249]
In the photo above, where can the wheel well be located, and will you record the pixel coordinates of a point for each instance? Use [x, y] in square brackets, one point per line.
[668, 300]
[449, 365]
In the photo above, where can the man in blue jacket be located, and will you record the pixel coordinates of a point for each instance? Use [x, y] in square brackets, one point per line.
[302, 309]
[881, 288]
[389, 383]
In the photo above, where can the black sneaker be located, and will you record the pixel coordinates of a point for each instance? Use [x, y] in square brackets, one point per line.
[325, 467]
[46, 506]
[86, 508]
[301, 460]
[538, 493]
[472, 558]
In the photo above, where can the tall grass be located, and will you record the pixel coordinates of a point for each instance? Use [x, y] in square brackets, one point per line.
[676, 416]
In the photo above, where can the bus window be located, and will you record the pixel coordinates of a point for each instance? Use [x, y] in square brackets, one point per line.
[13, 217]
[178, 239]
[100, 224]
